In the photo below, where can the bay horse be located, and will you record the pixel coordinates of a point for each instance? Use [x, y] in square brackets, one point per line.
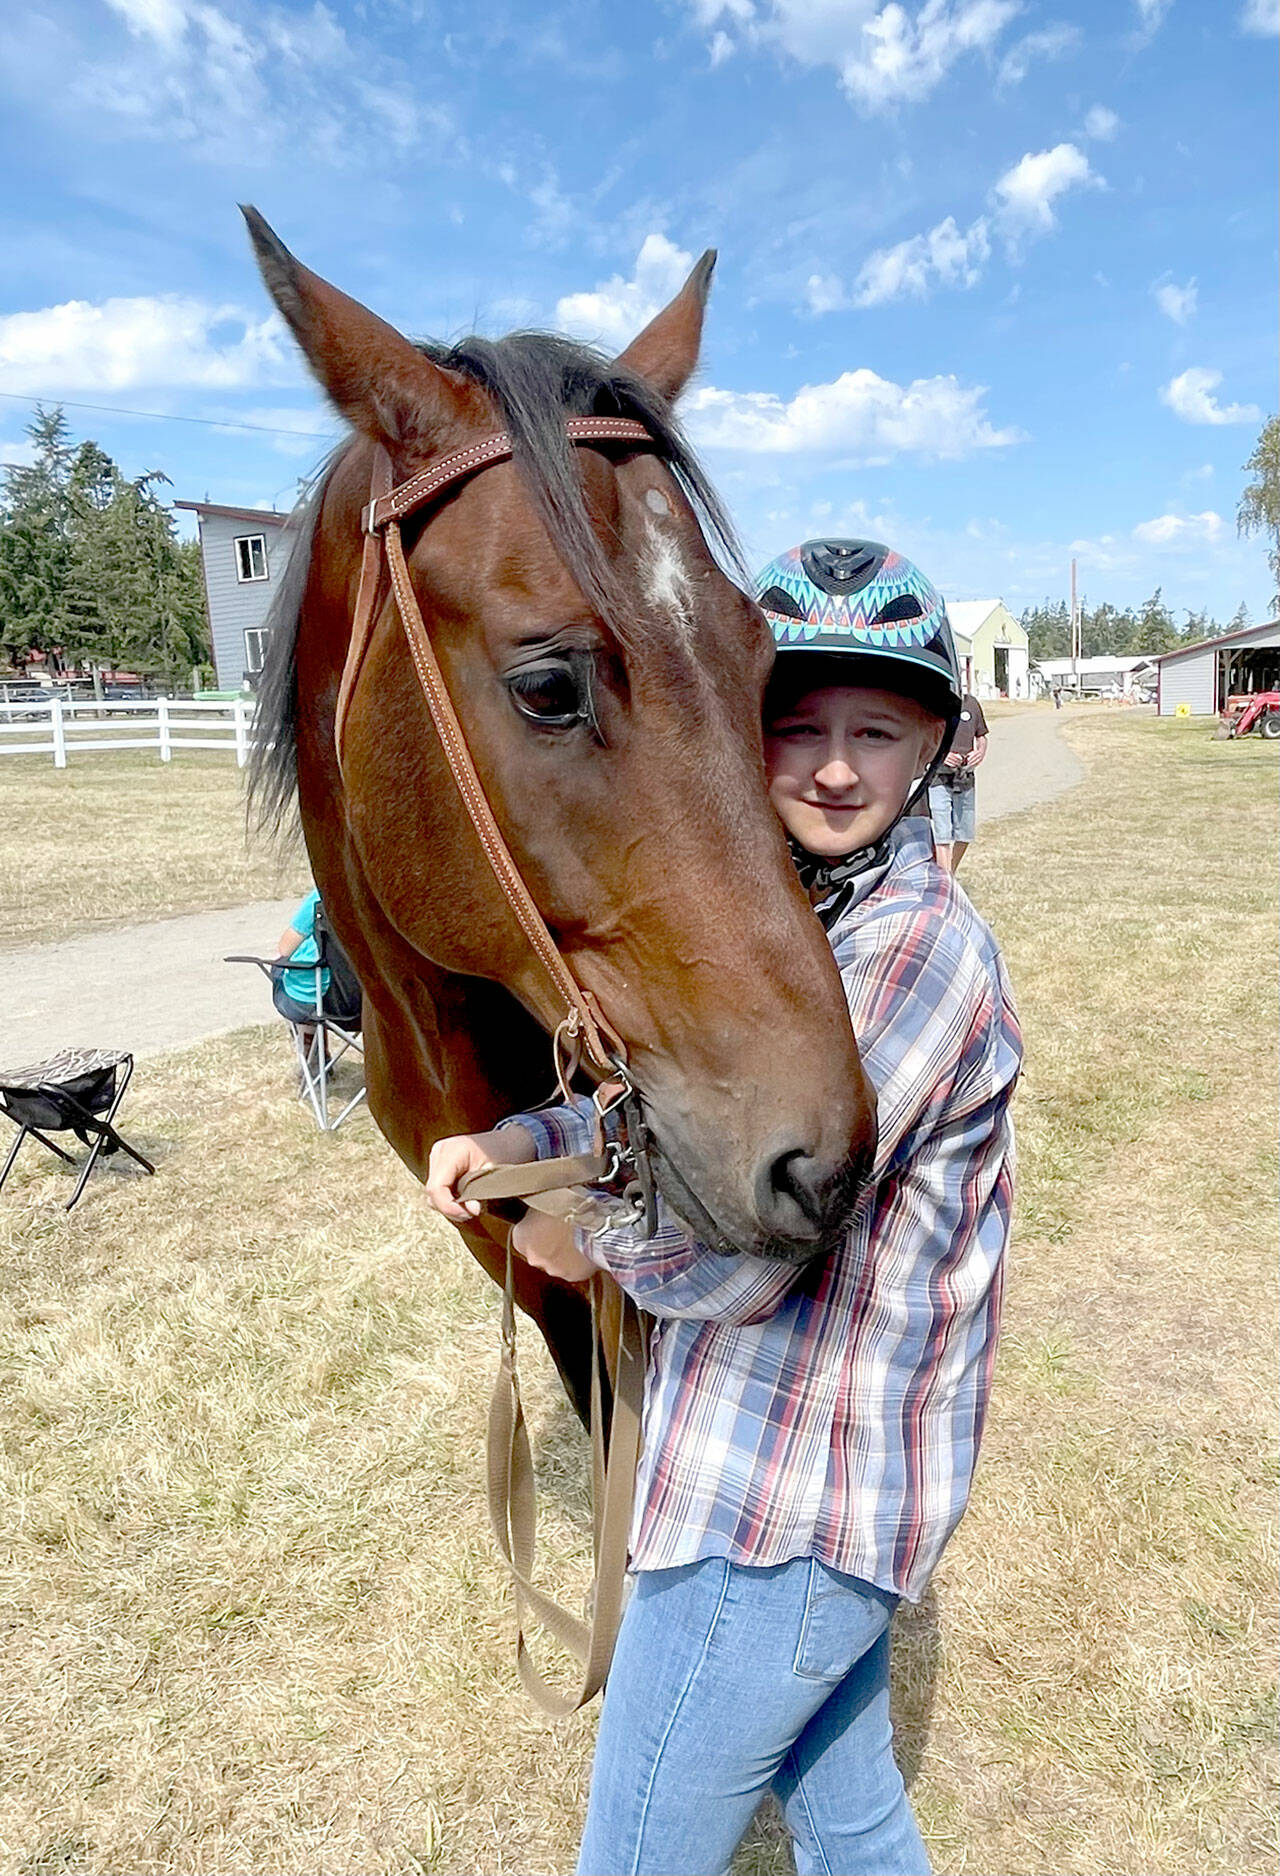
[608, 676]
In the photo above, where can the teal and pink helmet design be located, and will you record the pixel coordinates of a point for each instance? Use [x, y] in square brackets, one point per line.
[861, 599]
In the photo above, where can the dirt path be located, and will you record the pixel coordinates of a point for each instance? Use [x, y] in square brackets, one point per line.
[1027, 763]
[163, 985]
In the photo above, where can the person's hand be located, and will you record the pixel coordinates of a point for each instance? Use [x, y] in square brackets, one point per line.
[547, 1243]
[953, 761]
[462, 1153]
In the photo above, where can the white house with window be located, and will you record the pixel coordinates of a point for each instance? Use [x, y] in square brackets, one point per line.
[245, 552]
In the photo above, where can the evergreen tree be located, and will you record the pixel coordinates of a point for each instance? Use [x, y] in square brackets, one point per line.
[35, 546]
[1048, 629]
[1259, 510]
[91, 568]
[1106, 632]
[1155, 631]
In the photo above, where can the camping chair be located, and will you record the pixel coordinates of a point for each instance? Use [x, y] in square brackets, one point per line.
[78, 1091]
[334, 1029]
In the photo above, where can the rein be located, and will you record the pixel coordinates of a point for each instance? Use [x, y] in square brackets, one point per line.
[550, 1186]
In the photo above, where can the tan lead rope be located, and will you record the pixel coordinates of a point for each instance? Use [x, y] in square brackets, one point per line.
[511, 1482]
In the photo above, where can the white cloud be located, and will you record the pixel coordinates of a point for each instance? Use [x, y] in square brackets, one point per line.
[1101, 123]
[1180, 530]
[19, 454]
[882, 54]
[1260, 16]
[1027, 192]
[825, 294]
[949, 256]
[120, 344]
[1190, 396]
[1175, 302]
[905, 59]
[720, 49]
[946, 257]
[614, 313]
[236, 81]
[165, 21]
[1151, 15]
[860, 417]
[1052, 42]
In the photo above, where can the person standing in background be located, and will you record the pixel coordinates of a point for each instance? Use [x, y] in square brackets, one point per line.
[952, 792]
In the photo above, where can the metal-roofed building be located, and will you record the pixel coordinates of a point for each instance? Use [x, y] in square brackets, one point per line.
[244, 552]
[1201, 677]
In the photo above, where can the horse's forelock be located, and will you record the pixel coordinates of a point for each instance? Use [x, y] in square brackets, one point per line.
[537, 379]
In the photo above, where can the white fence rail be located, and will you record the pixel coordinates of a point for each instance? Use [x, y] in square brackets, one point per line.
[61, 729]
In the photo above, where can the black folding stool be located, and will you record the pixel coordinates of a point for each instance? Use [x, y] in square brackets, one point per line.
[338, 1019]
[77, 1091]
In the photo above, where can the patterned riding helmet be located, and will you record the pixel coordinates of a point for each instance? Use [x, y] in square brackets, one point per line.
[860, 599]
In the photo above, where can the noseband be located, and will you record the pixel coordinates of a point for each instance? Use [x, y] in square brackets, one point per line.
[583, 1026]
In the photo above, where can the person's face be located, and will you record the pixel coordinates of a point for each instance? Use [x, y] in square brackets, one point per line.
[841, 763]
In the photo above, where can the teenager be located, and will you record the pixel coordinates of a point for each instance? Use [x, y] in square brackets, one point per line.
[810, 1435]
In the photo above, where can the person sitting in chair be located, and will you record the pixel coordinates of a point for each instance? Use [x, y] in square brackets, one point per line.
[293, 986]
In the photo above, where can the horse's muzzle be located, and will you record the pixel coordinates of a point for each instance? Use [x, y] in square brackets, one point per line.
[802, 1206]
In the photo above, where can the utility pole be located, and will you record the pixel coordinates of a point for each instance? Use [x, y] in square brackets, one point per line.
[1075, 633]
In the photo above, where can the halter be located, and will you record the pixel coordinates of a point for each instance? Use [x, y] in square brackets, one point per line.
[583, 1025]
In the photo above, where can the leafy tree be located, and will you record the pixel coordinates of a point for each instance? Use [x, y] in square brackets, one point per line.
[1259, 510]
[1240, 620]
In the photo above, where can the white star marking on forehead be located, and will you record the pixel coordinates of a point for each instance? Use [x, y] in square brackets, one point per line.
[665, 578]
[656, 502]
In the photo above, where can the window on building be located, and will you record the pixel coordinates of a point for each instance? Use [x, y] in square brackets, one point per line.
[256, 640]
[251, 557]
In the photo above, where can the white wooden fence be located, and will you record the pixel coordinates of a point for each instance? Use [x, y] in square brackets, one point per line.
[61, 729]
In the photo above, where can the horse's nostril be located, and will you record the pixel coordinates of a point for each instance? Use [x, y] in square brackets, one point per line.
[791, 1195]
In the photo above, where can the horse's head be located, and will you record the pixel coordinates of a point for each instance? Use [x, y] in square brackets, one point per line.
[609, 678]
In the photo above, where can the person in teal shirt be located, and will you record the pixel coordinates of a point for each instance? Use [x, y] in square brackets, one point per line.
[294, 987]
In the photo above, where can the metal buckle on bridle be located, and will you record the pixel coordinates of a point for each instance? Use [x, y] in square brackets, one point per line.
[639, 1191]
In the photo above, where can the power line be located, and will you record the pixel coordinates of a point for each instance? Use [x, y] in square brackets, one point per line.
[165, 416]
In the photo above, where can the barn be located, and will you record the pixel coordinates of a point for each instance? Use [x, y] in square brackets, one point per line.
[1201, 677]
[998, 647]
[244, 552]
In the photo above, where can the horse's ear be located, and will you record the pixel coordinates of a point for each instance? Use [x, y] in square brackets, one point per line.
[379, 381]
[666, 352]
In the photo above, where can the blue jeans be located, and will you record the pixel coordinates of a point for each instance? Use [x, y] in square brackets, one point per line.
[728, 1680]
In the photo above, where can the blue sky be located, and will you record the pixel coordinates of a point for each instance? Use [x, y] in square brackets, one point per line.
[995, 283]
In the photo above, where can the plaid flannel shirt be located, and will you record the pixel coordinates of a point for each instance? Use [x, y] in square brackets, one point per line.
[835, 1411]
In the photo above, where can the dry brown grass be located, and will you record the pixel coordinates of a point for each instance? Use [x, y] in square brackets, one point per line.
[253, 1619]
[114, 839]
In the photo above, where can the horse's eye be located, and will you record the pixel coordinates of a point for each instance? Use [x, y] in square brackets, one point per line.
[553, 695]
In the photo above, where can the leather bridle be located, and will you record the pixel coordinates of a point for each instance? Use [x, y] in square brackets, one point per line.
[389, 504]
[552, 1185]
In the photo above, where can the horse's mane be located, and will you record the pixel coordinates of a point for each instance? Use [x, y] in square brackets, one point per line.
[537, 379]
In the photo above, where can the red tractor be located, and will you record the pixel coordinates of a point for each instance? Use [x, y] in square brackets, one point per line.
[1260, 711]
